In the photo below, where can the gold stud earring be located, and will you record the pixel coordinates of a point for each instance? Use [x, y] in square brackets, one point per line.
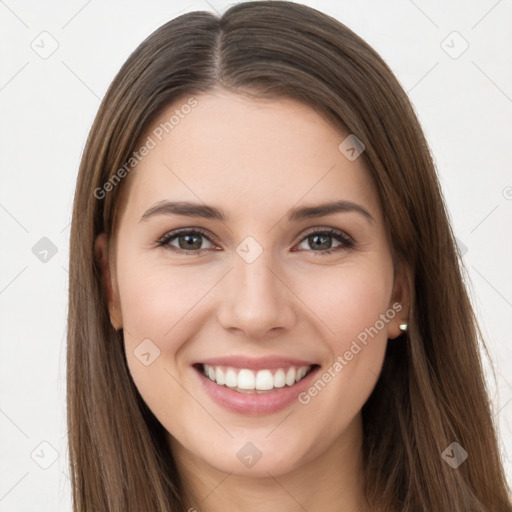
[403, 326]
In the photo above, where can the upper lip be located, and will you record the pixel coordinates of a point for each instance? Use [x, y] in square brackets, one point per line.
[259, 363]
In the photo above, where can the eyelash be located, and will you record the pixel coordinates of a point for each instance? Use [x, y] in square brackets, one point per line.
[340, 236]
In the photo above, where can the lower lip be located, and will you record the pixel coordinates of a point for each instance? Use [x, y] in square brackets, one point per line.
[252, 403]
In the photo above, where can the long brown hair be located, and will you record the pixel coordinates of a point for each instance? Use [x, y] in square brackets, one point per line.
[431, 391]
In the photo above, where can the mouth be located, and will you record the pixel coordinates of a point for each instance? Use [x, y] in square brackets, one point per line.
[255, 391]
[245, 380]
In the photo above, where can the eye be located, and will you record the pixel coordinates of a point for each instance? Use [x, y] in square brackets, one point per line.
[321, 239]
[189, 241]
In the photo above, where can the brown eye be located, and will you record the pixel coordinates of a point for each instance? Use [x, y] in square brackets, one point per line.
[188, 241]
[320, 241]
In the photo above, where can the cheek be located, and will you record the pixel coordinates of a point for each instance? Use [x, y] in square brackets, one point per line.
[355, 308]
[353, 305]
[158, 318]
[349, 299]
[160, 300]
[162, 307]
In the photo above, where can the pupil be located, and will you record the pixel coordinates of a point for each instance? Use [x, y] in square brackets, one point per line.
[325, 245]
[189, 240]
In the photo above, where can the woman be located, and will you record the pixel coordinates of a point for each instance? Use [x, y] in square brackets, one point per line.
[266, 304]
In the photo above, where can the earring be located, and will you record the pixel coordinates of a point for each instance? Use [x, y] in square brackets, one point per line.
[403, 326]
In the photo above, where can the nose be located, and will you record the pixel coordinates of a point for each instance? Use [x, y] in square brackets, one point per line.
[255, 298]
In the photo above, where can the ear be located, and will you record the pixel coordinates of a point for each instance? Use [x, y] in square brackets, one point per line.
[400, 300]
[109, 284]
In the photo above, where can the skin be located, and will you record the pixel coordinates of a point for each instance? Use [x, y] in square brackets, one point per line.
[255, 160]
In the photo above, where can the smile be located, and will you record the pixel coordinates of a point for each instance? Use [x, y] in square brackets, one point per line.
[245, 380]
[254, 387]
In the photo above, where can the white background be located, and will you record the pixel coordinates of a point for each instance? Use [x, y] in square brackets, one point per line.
[47, 107]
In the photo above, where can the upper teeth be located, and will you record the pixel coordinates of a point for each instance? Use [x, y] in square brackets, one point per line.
[262, 380]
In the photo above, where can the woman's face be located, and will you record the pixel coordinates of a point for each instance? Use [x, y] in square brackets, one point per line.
[246, 286]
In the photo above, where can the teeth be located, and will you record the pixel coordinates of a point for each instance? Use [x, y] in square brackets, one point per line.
[290, 377]
[264, 380]
[247, 380]
[219, 376]
[231, 378]
[279, 379]
[300, 374]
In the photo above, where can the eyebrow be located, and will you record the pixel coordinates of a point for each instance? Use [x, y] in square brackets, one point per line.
[189, 209]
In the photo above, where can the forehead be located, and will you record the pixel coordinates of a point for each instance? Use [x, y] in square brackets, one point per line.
[256, 156]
